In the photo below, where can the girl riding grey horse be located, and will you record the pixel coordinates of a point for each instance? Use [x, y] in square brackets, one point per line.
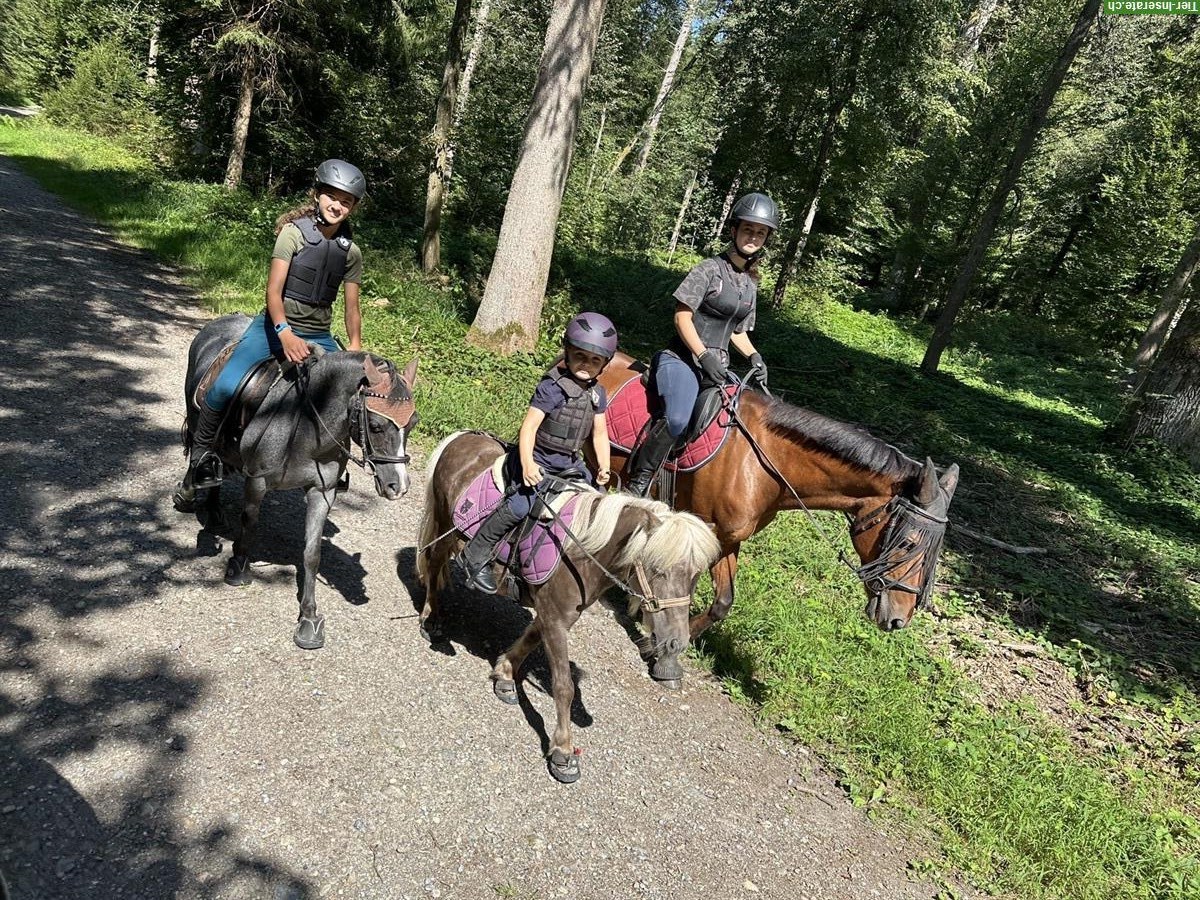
[314, 255]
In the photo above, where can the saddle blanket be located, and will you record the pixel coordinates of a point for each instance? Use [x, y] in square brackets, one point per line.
[539, 550]
[629, 411]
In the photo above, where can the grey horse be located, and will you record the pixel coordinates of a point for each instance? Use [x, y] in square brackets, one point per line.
[300, 437]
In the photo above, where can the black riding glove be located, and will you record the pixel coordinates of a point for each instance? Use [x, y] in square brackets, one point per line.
[758, 369]
[710, 362]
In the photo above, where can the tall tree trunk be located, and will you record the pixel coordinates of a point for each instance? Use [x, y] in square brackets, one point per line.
[650, 129]
[1167, 404]
[987, 226]
[440, 165]
[908, 257]
[477, 38]
[1168, 307]
[510, 313]
[820, 172]
[152, 55]
[241, 127]
[726, 206]
[971, 33]
[683, 207]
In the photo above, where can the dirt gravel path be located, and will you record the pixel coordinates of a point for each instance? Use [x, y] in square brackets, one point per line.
[160, 736]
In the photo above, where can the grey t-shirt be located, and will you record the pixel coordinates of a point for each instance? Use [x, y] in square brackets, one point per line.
[303, 316]
[702, 291]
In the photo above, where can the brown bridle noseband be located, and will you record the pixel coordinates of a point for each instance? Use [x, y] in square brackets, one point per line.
[911, 533]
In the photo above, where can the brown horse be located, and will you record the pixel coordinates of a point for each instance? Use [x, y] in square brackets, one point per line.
[613, 537]
[781, 457]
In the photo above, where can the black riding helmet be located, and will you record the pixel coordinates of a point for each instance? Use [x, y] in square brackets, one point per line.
[337, 173]
[757, 208]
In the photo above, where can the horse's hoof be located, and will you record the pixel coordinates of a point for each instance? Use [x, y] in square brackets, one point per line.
[184, 498]
[670, 684]
[506, 690]
[237, 571]
[432, 632]
[310, 633]
[564, 767]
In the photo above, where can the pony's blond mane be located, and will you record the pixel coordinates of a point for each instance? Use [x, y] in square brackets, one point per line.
[664, 538]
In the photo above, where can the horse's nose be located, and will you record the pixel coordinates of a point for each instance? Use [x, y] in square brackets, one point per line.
[895, 624]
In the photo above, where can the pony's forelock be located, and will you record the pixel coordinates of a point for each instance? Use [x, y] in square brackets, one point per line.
[679, 538]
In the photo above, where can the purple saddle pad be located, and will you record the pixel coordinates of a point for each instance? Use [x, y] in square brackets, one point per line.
[539, 552]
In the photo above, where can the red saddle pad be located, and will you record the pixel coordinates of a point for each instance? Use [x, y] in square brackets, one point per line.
[628, 412]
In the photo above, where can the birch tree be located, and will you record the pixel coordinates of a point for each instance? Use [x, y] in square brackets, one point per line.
[443, 152]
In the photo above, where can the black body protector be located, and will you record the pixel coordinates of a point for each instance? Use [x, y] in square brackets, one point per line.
[566, 429]
[718, 316]
[316, 272]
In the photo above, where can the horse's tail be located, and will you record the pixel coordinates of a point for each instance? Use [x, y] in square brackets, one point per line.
[427, 532]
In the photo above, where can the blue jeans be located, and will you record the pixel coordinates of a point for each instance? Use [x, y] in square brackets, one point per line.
[677, 386]
[258, 342]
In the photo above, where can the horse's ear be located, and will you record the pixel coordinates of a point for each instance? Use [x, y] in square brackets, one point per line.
[410, 373]
[928, 491]
[949, 481]
[374, 376]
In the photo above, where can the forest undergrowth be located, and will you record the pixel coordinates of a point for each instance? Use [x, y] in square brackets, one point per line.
[1043, 726]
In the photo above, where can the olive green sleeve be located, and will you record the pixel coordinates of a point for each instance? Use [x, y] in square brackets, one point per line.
[288, 243]
[354, 265]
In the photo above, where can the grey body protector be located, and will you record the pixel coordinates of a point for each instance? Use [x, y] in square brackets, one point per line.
[719, 314]
[565, 429]
[316, 272]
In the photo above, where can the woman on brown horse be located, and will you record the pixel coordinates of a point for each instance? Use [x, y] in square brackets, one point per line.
[714, 307]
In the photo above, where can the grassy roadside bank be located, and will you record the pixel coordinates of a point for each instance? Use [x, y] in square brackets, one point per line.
[1067, 767]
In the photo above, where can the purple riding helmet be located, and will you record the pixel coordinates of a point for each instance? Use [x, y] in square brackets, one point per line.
[592, 332]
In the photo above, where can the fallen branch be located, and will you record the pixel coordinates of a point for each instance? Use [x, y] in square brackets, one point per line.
[993, 542]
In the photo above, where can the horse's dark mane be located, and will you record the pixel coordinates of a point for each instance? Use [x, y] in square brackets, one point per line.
[843, 441]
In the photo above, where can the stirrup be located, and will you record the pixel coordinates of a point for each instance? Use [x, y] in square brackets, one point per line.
[208, 472]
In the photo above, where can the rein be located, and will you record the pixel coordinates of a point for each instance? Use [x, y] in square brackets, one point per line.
[900, 511]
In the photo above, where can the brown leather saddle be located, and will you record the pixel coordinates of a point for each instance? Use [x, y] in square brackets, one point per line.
[249, 396]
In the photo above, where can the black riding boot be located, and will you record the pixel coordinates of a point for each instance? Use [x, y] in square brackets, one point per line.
[648, 458]
[204, 466]
[476, 557]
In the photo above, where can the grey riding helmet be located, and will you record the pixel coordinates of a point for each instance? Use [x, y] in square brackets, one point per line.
[756, 208]
[337, 173]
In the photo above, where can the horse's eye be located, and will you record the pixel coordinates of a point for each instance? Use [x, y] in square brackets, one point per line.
[376, 428]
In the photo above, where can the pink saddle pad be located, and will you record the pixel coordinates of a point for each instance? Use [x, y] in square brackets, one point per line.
[539, 552]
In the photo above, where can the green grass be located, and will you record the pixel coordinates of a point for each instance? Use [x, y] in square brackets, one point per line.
[1018, 803]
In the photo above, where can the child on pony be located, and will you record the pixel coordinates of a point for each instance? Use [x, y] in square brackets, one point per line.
[567, 408]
